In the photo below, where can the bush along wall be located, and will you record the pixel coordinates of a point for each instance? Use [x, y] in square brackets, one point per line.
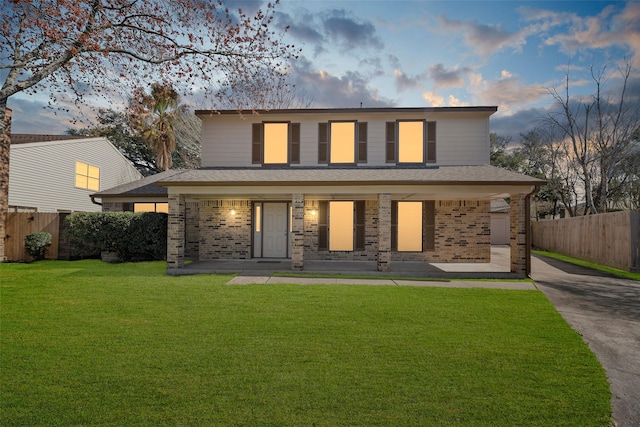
[130, 236]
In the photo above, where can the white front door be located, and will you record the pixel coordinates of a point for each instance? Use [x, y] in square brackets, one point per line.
[275, 233]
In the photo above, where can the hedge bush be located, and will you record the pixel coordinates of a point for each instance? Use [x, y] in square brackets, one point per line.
[131, 236]
[36, 244]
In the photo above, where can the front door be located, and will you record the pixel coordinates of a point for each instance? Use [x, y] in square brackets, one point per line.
[275, 235]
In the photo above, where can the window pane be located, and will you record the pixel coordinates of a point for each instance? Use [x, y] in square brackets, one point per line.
[343, 142]
[410, 226]
[82, 168]
[81, 181]
[94, 172]
[144, 207]
[341, 226]
[276, 142]
[162, 207]
[93, 184]
[410, 142]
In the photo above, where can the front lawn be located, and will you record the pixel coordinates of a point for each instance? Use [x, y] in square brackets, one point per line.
[90, 343]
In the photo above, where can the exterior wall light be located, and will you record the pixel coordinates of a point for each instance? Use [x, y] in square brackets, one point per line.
[313, 212]
[233, 211]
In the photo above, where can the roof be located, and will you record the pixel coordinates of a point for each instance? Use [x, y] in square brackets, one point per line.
[143, 187]
[26, 138]
[444, 175]
[487, 109]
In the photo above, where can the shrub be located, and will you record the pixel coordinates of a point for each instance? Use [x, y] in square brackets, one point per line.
[36, 244]
[132, 236]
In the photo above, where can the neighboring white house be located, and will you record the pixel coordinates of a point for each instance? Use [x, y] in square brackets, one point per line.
[58, 173]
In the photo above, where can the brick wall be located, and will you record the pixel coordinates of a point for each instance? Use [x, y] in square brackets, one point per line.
[224, 235]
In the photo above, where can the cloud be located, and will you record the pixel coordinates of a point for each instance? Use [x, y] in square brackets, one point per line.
[34, 116]
[329, 91]
[433, 99]
[521, 122]
[508, 92]
[447, 78]
[612, 27]
[484, 39]
[348, 32]
[331, 29]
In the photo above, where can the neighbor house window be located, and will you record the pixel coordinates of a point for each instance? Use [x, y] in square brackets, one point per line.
[413, 226]
[411, 141]
[151, 207]
[275, 143]
[341, 225]
[342, 142]
[87, 176]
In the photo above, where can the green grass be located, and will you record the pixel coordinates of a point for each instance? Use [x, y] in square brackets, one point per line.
[582, 263]
[90, 343]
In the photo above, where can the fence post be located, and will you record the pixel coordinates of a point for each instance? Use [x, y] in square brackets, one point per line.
[635, 241]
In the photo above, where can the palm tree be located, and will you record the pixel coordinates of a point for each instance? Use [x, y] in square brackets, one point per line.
[154, 116]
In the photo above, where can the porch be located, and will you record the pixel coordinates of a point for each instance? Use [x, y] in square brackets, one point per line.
[499, 268]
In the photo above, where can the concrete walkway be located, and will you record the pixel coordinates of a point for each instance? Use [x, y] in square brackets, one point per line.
[270, 280]
[606, 311]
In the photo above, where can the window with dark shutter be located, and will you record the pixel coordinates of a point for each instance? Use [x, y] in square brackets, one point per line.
[323, 243]
[256, 144]
[429, 225]
[295, 143]
[359, 225]
[323, 145]
[362, 142]
[390, 139]
[431, 142]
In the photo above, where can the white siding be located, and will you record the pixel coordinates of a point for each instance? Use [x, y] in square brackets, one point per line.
[42, 174]
[462, 137]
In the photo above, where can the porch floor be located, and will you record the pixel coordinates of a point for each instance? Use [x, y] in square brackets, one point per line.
[499, 267]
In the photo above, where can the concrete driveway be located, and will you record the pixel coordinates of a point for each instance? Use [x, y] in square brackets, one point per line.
[606, 312]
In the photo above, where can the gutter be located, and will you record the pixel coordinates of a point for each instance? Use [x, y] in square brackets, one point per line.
[93, 200]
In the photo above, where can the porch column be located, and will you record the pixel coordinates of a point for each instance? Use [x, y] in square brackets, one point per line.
[176, 232]
[384, 232]
[297, 232]
[518, 233]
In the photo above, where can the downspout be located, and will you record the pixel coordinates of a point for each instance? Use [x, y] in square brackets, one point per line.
[93, 200]
[527, 225]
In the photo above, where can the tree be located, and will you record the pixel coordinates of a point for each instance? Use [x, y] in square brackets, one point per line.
[119, 129]
[154, 114]
[503, 156]
[597, 132]
[92, 47]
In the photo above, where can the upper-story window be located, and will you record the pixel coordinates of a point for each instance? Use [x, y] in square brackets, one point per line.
[87, 176]
[342, 142]
[411, 141]
[275, 143]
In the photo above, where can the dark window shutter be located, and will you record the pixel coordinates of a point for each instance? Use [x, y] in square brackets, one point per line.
[323, 241]
[390, 139]
[429, 225]
[431, 142]
[394, 225]
[323, 146]
[360, 225]
[256, 144]
[295, 142]
[362, 142]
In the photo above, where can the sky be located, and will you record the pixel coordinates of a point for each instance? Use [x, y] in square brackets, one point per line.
[382, 53]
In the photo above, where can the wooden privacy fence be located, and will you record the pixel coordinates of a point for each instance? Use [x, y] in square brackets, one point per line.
[611, 239]
[21, 224]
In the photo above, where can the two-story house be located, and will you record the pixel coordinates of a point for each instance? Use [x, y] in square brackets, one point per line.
[374, 184]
